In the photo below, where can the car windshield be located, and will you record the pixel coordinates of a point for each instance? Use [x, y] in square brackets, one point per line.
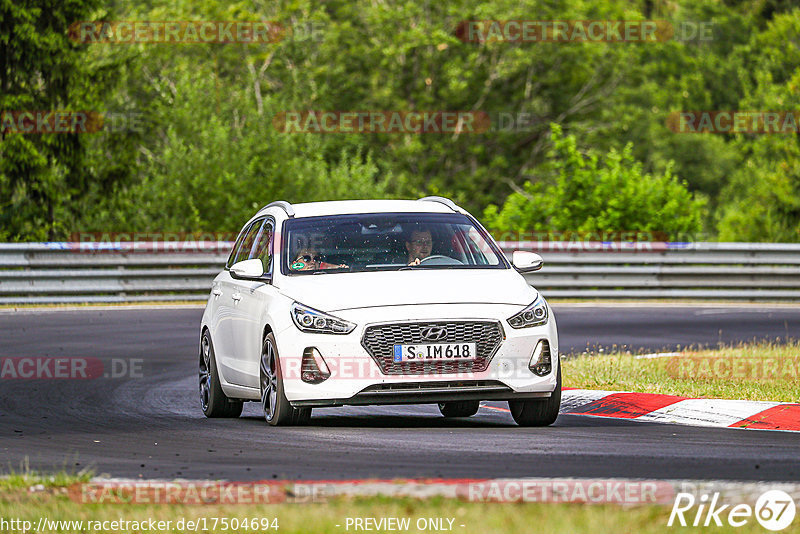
[386, 241]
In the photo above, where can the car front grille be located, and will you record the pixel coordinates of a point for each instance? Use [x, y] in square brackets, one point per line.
[379, 341]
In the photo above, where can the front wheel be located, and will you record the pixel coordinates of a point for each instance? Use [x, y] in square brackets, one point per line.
[459, 408]
[277, 410]
[212, 399]
[538, 412]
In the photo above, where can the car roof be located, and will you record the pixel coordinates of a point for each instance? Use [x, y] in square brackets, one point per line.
[345, 207]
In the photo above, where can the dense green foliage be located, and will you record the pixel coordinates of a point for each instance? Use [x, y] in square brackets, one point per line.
[587, 195]
[208, 153]
[41, 69]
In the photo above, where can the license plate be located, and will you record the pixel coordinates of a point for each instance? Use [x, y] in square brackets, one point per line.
[435, 351]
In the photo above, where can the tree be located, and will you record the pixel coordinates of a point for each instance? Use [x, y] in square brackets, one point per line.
[41, 69]
[585, 194]
[761, 201]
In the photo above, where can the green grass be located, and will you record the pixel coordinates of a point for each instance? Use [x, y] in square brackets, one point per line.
[25, 478]
[17, 501]
[683, 375]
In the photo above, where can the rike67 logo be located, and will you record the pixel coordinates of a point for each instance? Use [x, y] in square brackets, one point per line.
[774, 510]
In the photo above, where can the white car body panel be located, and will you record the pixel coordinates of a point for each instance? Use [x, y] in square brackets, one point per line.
[332, 293]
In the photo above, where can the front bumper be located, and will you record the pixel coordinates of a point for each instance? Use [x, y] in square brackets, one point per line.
[356, 378]
[427, 393]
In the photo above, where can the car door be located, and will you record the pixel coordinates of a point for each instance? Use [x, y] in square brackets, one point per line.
[255, 297]
[227, 293]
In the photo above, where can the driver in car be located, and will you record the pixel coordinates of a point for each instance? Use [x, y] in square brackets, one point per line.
[419, 245]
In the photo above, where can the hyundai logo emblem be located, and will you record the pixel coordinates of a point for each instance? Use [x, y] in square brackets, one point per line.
[434, 333]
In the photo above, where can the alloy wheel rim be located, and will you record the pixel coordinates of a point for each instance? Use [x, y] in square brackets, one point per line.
[205, 372]
[269, 381]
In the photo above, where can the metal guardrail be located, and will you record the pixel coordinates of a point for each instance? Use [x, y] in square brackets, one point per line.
[74, 273]
[34, 273]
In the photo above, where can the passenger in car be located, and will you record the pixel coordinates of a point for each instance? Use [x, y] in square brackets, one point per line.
[309, 259]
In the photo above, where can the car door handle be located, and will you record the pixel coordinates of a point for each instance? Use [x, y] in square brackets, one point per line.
[216, 292]
[236, 297]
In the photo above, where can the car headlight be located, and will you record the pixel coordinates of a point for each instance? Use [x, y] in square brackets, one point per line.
[311, 320]
[534, 315]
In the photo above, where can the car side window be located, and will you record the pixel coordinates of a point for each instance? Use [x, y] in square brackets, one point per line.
[480, 249]
[235, 248]
[248, 238]
[262, 250]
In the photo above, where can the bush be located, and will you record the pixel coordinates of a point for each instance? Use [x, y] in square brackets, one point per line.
[583, 193]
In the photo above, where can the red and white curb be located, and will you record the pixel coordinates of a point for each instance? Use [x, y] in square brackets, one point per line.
[671, 409]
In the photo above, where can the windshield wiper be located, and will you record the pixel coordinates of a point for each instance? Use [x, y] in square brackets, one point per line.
[333, 270]
[420, 266]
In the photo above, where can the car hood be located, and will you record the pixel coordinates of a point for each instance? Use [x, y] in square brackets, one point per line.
[345, 291]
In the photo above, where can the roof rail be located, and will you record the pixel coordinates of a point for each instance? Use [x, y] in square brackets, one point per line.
[285, 206]
[442, 200]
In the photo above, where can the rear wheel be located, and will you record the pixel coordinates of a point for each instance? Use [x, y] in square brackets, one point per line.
[212, 398]
[277, 410]
[459, 408]
[538, 412]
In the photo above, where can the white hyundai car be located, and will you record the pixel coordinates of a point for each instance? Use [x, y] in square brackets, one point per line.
[369, 302]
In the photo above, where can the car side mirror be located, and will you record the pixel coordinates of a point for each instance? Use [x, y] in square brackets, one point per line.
[248, 270]
[526, 262]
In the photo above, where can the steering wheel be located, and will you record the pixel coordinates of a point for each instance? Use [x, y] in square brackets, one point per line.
[438, 259]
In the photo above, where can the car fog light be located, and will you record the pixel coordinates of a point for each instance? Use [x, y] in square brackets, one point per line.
[541, 363]
[314, 369]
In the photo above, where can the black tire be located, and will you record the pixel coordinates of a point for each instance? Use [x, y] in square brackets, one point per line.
[213, 400]
[459, 408]
[277, 410]
[538, 412]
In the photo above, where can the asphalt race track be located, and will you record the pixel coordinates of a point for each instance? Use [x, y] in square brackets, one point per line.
[153, 427]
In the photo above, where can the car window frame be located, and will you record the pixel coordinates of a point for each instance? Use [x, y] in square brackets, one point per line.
[268, 222]
[241, 239]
